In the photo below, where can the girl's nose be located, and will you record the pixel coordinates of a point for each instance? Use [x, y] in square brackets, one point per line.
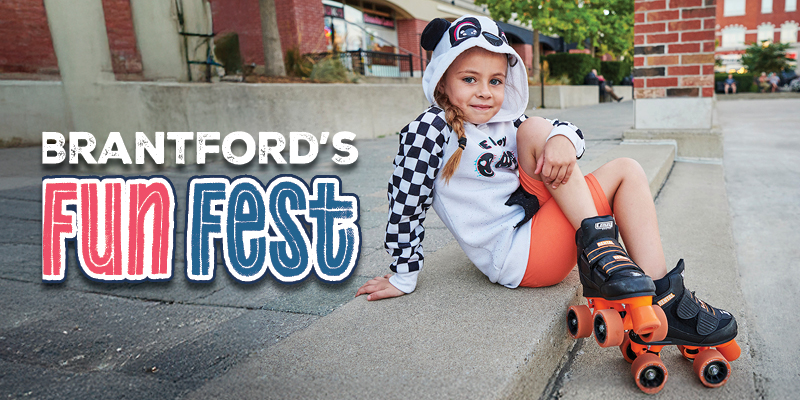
[483, 90]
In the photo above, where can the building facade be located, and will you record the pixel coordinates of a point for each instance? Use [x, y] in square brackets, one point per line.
[740, 23]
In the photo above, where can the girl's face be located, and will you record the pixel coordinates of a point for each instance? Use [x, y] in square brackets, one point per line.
[475, 83]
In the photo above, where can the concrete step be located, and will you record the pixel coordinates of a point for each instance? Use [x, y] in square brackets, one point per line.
[456, 336]
[695, 225]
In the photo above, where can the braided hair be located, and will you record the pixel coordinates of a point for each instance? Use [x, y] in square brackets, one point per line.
[455, 119]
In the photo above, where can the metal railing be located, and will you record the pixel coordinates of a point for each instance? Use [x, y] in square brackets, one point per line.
[373, 63]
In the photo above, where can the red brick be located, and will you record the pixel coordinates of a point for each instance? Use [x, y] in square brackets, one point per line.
[685, 3]
[27, 45]
[649, 93]
[662, 82]
[708, 92]
[697, 36]
[710, 23]
[690, 70]
[649, 28]
[690, 25]
[698, 12]
[638, 82]
[663, 60]
[662, 38]
[638, 40]
[638, 17]
[638, 61]
[663, 15]
[708, 69]
[649, 5]
[708, 47]
[684, 48]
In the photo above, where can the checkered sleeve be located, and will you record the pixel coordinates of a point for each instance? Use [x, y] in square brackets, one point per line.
[571, 132]
[411, 194]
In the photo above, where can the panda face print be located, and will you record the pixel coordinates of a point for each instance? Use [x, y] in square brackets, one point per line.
[463, 30]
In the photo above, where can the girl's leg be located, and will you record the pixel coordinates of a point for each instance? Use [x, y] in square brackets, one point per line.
[626, 187]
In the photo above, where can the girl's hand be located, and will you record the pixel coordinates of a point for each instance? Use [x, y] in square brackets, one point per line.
[379, 288]
[557, 161]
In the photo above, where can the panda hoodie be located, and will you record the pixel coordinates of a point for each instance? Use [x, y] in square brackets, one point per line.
[473, 203]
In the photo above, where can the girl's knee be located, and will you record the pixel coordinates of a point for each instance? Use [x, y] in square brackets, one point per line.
[531, 138]
[629, 168]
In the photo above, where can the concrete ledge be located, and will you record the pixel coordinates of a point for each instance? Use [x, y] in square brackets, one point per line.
[457, 336]
[564, 96]
[692, 143]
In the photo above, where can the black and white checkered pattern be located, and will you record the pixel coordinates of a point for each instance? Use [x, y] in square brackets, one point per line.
[410, 190]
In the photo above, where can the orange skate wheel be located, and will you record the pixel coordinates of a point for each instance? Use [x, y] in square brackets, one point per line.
[608, 328]
[645, 320]
[712, 368]
[579, 321]
[649, 373]
[627, 350]
[660, 333]
[730, 350]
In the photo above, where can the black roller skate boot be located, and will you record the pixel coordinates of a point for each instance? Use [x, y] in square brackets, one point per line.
[702, 333]
[692, 322]
[606, 270]
[617, 290]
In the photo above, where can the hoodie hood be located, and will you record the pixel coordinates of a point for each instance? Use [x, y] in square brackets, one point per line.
[449, 40]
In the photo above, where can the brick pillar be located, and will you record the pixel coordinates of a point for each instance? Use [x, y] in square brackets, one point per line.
[125, 58]
[26, 47]
[526, 52]
[408, 35]
[674, 67]
[301, 24]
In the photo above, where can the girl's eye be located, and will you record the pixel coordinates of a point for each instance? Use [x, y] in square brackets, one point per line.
[496, 82]
[469, 79]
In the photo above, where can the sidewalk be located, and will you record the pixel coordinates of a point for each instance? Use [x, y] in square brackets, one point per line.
[457, 336]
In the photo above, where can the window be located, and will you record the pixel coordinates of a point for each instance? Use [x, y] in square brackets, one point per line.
[734, 8]
[791, 5]
[733, 36]
[766, 6]
[766, 32]
[789, 32]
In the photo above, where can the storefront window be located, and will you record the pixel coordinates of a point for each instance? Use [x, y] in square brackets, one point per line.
[359, 25]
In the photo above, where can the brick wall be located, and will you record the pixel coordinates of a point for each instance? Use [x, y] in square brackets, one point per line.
[408, 36]
[674, 48]
[26, 46]
[526, 52]
[125, 57]
[300, 23]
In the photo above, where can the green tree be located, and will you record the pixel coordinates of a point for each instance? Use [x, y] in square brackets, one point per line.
[607, 24]
[766, 57]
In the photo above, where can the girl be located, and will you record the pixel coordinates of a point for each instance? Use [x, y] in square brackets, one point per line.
[503, 184]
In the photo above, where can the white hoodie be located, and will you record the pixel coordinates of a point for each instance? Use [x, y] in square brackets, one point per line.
[472, 204]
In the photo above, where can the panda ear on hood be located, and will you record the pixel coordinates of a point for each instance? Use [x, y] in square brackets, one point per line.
[433, 33]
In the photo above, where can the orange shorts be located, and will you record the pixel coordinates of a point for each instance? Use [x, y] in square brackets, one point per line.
[553, 252]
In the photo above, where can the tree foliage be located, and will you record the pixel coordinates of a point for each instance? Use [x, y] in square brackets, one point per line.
[766, 57]
[608, 24]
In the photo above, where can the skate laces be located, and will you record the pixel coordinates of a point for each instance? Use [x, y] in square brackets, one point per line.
[609, 256]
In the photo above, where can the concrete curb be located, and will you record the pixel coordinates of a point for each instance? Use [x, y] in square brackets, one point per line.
[457, 336]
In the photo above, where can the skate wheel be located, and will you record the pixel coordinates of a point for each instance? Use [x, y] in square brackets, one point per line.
[730, 350]
[627, 350]
[579, 321]
[649, 373]
[661, 332]
[645, 320]
[712, 368]
[608, 328]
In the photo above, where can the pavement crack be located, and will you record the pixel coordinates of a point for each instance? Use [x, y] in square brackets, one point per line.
[553, 389]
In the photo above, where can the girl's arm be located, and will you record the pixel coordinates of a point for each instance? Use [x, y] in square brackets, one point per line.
[416, 165]
[558, 159]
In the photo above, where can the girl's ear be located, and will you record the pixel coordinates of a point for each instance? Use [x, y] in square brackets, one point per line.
[433, 33]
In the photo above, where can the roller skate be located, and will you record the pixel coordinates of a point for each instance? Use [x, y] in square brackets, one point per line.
[619, 294]
[702, 333]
